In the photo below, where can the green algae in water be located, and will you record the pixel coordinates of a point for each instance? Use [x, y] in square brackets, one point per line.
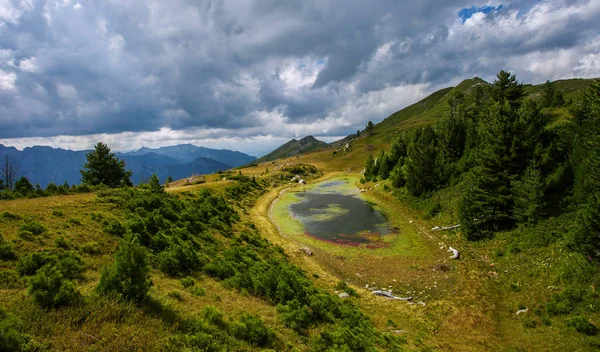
[333, 212]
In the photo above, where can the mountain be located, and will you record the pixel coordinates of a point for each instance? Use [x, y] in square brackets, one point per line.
[43, 165]
[186, 153]
[295, 147]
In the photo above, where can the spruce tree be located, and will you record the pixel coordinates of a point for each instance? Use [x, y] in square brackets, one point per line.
[528, 195]
[384, 167]
[369, 168]
[422, 169]
[23, 186]
[487, 204]
[103, 167]
[586, 163]
[155, 186]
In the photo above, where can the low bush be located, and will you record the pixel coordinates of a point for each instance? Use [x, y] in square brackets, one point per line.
[33, 227]
[28, 265]
[179, 260]
[250, 328]
[6, 250]
[582, 325]
[565, 301]
[188, 282]
[49, 288]
[175, 295]
[10, 338]
[91, 248]
[10, 279]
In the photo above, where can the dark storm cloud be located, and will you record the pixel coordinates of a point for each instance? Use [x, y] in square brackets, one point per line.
[248, 68]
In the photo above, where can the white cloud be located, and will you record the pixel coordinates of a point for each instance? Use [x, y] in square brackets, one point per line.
[7, 80]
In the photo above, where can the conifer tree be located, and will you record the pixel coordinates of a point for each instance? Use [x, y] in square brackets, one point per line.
[487, 204]
[528, 194]
[586, 163]
[384, 167]
[422, 170]
[129, 275]
[23, 186]
[103, 167]
[369, 168]
[155, 186]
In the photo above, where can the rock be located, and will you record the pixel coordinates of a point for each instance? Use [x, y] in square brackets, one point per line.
[302, 182]
[399, 331]
[344, 295]
[435, 228]
[455, 253]
[306, 251]
[521, 311]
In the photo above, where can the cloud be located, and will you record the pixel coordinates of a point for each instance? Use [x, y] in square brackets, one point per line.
[151, 71]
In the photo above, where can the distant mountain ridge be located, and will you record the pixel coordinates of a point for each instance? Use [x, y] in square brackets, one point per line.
[187, 153]
[295, 147]
[42, 164]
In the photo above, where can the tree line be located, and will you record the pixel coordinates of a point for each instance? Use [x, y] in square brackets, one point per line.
[512, 166]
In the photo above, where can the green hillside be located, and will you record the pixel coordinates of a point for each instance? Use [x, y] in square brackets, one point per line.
[294, 147]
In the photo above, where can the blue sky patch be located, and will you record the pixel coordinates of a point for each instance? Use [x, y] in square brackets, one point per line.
[467, 12]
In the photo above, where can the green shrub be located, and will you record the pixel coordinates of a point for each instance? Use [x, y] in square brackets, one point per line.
[114, 227]
[91, 248]
[432, 210]
[188, 282]
[295, 316]
[33, 227]
[10, 279]
[74, 221]
[176, 295]
[6, 250]
[58, 213]
[9, 216]
[198, 291]
[582, 325]
[179, 260]
[61, 242]
[129, 275]
[10, 338]
[49, 288]
[251, 328]
[214, 317]
[31, 263]
[564, 302]
[71, 265]
[343, 286]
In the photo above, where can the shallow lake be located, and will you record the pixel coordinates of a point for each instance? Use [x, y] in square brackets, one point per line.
[334, 211]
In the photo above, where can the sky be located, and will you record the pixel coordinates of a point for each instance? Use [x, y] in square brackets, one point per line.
[250, 75]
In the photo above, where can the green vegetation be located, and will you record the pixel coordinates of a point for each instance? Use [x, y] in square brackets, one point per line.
[102, 167]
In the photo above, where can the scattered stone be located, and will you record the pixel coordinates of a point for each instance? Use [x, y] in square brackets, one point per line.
[302, 182]
[399, 331]
[344, 295]
[435, 228]
[306, 251]
[455, 253]
[388, 294]
[521, 311]
[411, 221]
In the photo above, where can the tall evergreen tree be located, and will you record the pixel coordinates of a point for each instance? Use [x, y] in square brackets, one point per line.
[528, 194]
[586, 163]
[103, 167]
[369, 168]
[155, 186]
[487, 204]
[23, 186]
[506, 87]
[384, 167]
[422, 169]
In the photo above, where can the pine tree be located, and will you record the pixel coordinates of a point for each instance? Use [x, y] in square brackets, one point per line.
[528, 195]
[422, 169]
[586, 163]
[398, 149]
[103, 167]
[129, 275]
[487, 204]
[155, 186]
[369, 168]
[384, 167]
[23, 186]
[506, 87]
